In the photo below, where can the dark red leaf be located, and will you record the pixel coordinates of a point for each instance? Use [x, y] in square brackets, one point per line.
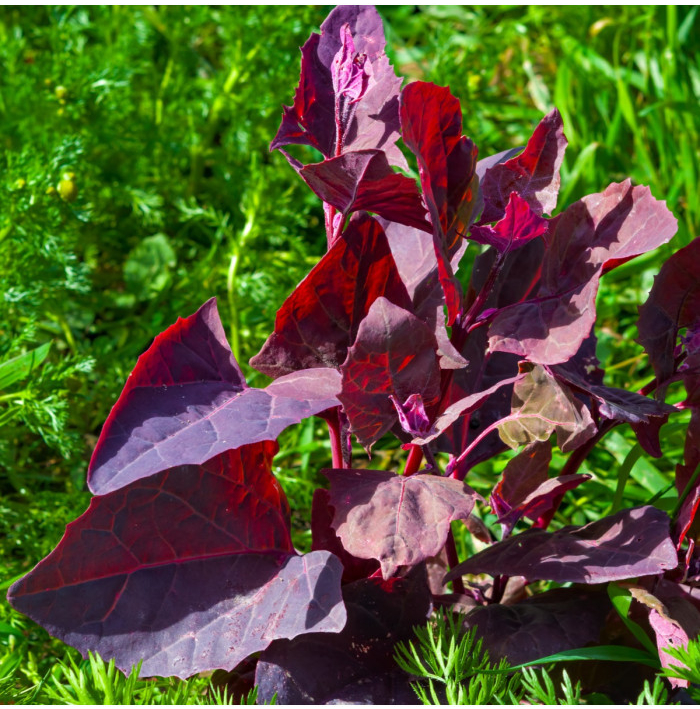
[518, 226]
[363, 180]
[348, 84]
[622, 221]
[319, 321]
[394, 354]
[357, 665]
[400, 521]
[534, 174]
[190, 570]
[673, 304]
[633, 542]
[541, 405]
[547, 623]
[431, 125]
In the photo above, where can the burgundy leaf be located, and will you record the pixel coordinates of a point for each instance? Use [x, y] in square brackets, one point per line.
[491, 160]
[363, 180]
[347, 98]
[684, 474]
[525, 490]
[633, 542]
[550, 622]
[673, 304]
[394, 354]
[319, 321]
[190, 570]
[400, 521]
[355, 666]
[324, 538]
[542, 405]
[619, 223]
[431, 124]
[178, 407]
[534, 174]
[518, 226]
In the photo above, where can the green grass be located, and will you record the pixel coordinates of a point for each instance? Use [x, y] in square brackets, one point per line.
[136, 182]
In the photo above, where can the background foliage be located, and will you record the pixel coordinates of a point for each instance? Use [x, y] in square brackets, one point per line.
[135, 182]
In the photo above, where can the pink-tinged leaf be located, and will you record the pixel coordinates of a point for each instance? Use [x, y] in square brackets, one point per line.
[547, 623]
[684, 474]
[170, 414]
[621, 222]
[673, 616]
[534, 174]
[190, 570]
[415, 258]
[431, 125]
[324, 538]
[412, 416]
[518, 226]
[355, 666]
[319, 321]
[467, 405]
[673, 304]
[347, 98]
[363, 180]
[400, 521]
[541, 405]
[394, 354]
[633, 542]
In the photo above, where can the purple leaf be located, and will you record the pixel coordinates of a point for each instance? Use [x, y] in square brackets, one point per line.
[633, 542]
[347, 98]
[431, 124]
[534, 174]
[324, 538]
[177, 406]
[190, 570]
[540, 406]
[400, 521]
[491, 160]
[357, 665]
[363, 180]
[319, 321]
[617, 224]
[673, 304]
[550, 622]
[518, 226]
[394, 354]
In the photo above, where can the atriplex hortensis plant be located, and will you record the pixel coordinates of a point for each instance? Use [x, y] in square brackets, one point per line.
[184, 558]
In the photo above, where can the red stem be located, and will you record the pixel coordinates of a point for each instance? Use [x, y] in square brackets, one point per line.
[334, 432]
[415, 457]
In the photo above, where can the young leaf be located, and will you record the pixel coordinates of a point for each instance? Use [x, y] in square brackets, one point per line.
[617, 224]
[319, 321]
[186, 401]
[347, 98]
[519, 225]
[400, 521]
[190, 570]
[354, 666]
[431, 125]
[541, 405]
[633, 542]
[534, 174]
[394, 354]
